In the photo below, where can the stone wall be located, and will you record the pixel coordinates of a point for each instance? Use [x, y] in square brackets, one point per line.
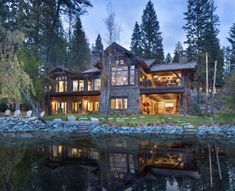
[132, 93]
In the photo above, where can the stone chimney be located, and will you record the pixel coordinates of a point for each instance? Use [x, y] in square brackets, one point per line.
[183, 59]
[96, 57]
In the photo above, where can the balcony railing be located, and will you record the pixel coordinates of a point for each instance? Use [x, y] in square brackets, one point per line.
[163, 83]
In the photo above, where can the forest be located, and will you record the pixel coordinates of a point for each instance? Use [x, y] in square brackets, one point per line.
[34, 39]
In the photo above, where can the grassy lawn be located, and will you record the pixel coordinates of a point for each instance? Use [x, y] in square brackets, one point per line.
[142, 120]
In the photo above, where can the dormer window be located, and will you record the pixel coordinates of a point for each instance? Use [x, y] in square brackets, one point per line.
[61, 85]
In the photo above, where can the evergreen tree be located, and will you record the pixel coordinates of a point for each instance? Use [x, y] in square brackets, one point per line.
[201, 34]
[227, 59]
[168, 58]
[80, 51]
[231, 39]
[136, 41]
[98, 44]
[151, 35]
[177, 51]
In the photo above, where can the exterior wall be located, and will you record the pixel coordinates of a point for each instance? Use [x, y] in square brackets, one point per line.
[108, 91]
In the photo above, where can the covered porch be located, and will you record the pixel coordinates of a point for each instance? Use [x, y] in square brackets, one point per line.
[167, 103]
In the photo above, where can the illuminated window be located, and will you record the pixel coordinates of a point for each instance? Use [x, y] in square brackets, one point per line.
[75, 85]
[61, 85]
[76, 106]
[118, 162]
[120, 75]
[90, 85]
[59, 107]
[119, 103]
[81, 85]
[97, 84]
[169, 104]
[74, 152]
[132, 75]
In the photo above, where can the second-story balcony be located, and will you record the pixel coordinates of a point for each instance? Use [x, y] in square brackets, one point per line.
[162, 85]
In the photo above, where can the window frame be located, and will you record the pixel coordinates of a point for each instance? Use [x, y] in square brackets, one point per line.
[124, 103]
[121, 68]
[64, 81]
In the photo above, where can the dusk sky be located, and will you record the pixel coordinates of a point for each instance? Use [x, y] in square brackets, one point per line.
[169, 13]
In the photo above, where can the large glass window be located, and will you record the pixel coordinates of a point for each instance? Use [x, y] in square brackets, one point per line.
[119, 103]
[81, 85]
[132, 75]
[76, 106]
[61, 85]
[119, 75]
[75, 85]
[59, 107]
[97, 84]
[90, 85]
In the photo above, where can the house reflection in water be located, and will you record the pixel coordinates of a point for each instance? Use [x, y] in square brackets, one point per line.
[121, 164]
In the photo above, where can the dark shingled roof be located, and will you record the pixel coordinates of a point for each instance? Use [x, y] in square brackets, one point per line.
[172, 67]
[91, 70]
[149, 62]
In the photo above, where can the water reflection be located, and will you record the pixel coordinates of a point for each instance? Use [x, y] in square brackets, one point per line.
[119, 164]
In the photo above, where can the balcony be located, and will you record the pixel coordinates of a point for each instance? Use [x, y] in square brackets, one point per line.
[162, 85]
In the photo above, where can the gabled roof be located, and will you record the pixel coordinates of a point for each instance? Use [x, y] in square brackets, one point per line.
[172, 67]
[117, 46]
[149, 62]
[61, 69]
[91, 70]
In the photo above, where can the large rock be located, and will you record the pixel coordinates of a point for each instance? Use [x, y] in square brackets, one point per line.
[7, 112]
[17, 113]
[72, 118]
[42, 114]
[57, 120]
[95, 120]
[29, 113]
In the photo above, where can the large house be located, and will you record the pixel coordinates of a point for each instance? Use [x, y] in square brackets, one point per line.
[122, 82]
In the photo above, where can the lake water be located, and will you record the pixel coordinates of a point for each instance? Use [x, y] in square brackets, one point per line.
[80, 163]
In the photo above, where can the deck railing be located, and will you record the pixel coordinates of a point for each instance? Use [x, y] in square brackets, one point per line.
[163, 83]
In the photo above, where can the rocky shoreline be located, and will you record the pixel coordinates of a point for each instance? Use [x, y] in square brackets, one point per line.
[27, 126]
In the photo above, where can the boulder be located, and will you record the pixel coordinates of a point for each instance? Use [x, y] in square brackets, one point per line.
[17, 113]
[95, 120]
[57, 120]
[29, 113]
[42, 114]
[7, 112]
[71, 118]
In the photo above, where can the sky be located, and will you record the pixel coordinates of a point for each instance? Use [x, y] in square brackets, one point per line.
[169, 14]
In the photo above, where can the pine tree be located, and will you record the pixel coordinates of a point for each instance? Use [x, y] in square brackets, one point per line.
[227, 59]
[201, 34]
[80, 52]
[136, 41]
[152, 39]
[177, 51]
[168, 58]
[231, 39]
[98, 44]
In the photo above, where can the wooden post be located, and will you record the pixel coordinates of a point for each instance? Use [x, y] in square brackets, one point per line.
[206, 82]
[213, 90]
